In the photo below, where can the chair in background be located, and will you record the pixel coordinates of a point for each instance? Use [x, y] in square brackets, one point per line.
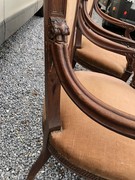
[98, 59]
[89, 117]
[128, 28]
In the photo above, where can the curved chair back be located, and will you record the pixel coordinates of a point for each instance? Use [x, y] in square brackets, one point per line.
[90, 119]
[104, 61]
[71, 15]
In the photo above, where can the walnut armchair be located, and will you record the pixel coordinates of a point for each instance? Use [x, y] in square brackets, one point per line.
[128, 28]
[97, 58]
[89, 117]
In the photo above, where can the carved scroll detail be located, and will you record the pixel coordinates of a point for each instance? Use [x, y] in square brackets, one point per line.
[58, 29]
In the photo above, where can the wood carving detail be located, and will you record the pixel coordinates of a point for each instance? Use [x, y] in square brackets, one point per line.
[58, 29]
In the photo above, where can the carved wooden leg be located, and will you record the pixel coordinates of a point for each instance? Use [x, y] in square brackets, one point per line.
[45, 154]
[38, 164]
[73, 63]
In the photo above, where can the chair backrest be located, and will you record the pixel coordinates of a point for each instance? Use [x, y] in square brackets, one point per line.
[125, 25]
[71, 12]
[75, 90]
[60, 72]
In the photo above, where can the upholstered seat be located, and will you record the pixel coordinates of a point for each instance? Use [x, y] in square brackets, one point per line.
[92, 129]
[87, 144]
[106, 61]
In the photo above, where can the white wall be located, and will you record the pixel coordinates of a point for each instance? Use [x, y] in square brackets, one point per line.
[14, 6]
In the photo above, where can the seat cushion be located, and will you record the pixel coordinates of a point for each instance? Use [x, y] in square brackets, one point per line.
[102, 59]
[89, 145]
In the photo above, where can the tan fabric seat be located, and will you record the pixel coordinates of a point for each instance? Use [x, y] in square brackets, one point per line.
[104, 60]
[69, 134]
[107, 153]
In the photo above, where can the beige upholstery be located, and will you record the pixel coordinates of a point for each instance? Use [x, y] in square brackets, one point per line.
[104, 60]
[70, 13]
[89, 5]
[89, 145]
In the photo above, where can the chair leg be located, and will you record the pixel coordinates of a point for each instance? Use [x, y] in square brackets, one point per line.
[126, 75]
[133, 78]
[132, 84]
[73, 63]
[45, 154]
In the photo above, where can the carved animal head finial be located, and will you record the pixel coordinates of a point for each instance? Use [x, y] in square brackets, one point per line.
[58, 29]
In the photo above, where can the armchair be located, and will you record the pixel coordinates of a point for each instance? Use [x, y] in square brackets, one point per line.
[97, 58]
[126, 26]
[88, 120]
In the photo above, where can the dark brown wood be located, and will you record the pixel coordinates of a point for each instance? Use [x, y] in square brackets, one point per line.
[51, 117]
[78, 38]
[58, 71]
[52, 85]
[45, 154]
[94, 108]
[57, 8]
[100, 41]
[58, 29]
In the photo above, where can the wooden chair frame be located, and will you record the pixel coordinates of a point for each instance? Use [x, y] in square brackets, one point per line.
[128, 27]
[109, 35]
[58, 71]
[103, 32]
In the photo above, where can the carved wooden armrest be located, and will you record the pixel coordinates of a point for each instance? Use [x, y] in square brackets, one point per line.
[101, 31]
[128, 27]
[93, 107]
